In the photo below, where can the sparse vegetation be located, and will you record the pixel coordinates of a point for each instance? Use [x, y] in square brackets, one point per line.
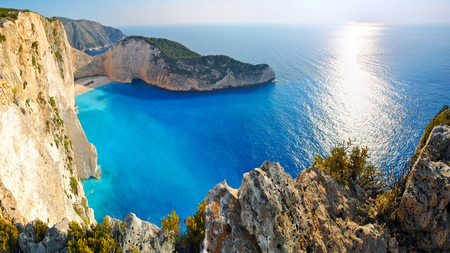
[34, 46]
[52, 102]
[9, 236]
[442, 117]
[74, 185]
[84, 203]
[14, 91]
[2, 38]
[24, 83]
[10, 13]
[351, 167]
[40, 228]
[98, 238]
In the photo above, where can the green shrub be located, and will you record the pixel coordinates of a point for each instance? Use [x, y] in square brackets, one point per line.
[351, 167]
[14, 91]
[74, 185]
[52, 102]
[84, 203]
[24, 83]
[33, 60]
[190, 240]
[98, 238]
[66, 145]
[34, 46]
[2, 38]
[171, 223]
[39, 228]
[9, 236]
[27, 101]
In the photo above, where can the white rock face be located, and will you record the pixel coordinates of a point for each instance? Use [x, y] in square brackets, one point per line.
[133, 58]
[42, 146]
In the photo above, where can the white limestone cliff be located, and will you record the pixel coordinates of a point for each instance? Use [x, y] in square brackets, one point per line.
[43, 150]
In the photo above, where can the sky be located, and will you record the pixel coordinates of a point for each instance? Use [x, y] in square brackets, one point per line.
[146, 12]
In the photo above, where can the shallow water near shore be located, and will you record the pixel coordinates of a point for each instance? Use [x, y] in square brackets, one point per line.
[159, 150]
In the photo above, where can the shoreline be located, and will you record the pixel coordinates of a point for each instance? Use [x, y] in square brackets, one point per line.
[86, 84]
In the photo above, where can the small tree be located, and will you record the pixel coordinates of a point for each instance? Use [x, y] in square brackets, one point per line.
[40, 228]
[171, 223]
[9, 236]
[351, 167]
[195, 226]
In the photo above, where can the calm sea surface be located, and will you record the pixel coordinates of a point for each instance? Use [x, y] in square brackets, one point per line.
[159, 150]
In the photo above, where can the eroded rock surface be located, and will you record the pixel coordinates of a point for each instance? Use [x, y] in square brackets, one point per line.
[273, 213]
[425, 206]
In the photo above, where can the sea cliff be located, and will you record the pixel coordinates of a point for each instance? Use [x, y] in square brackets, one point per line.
[44, 152]
[142, 58]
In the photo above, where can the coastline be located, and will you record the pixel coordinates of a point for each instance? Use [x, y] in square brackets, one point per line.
[86, 84]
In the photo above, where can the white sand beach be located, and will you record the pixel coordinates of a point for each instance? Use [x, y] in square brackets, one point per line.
[86, 84]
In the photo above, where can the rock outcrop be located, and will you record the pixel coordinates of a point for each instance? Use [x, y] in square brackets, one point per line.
[140, 235]
[44, 152]
[270, 212]
[135, 58]
[425, 206]
[90, 35]
[55, 239]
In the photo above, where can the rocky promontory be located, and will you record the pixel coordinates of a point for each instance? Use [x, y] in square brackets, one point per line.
[172, 66]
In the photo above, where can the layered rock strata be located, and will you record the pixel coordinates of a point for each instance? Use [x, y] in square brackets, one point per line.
[134, 58]
[44, 152]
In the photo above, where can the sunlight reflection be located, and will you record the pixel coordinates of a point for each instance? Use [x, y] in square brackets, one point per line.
[357, 96]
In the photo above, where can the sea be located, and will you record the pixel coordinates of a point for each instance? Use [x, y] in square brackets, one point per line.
[376, 84]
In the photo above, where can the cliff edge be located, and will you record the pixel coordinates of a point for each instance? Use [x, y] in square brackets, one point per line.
[171, 66]
[44, 152]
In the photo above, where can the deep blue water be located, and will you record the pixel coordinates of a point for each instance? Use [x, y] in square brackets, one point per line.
[161, 150]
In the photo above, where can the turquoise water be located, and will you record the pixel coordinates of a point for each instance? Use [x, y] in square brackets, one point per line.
[159, 150]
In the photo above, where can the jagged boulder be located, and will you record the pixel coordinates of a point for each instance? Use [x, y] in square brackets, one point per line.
[425, 207]
[273, 213]
[140, 235]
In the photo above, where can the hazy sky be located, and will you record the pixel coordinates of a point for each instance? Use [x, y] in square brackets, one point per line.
[139, 12]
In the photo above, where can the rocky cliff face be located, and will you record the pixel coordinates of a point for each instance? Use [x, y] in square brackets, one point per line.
[134, 58]
[44, 152]
[90, 35]
[425, 206]
[271, 212]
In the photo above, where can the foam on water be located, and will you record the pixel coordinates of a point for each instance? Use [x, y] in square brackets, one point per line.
[160, 150]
